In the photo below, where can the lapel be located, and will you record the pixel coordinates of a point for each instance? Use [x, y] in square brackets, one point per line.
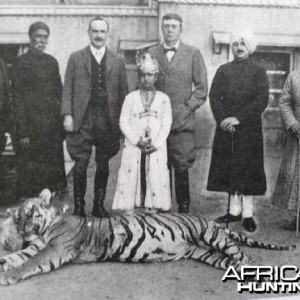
[162, 59]
[87, 58]
[109, 61]
[178, 57]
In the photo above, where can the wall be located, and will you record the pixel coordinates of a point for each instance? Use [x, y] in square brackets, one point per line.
[69, 24]
[200, 20]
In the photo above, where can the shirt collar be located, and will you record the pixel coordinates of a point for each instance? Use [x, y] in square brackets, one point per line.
[101, 50]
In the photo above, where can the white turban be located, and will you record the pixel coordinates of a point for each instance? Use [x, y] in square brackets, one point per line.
[147, 64]
[247, 36]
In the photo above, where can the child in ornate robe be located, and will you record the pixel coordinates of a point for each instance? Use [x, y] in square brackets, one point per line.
[146, 118]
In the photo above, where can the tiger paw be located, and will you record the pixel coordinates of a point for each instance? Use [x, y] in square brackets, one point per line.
[4, 265]
[9, 278]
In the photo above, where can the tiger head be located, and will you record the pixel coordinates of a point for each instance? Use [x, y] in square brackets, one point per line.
[28, 221]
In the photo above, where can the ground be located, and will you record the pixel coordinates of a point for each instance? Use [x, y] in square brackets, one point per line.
[166, 281]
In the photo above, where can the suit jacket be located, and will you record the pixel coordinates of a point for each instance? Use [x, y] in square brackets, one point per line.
[78, 86]
[184, 80]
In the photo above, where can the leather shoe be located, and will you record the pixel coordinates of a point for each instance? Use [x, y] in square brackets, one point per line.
[249, 224]
[228, 218]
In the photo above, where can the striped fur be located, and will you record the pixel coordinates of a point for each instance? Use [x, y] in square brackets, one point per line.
[142, 237]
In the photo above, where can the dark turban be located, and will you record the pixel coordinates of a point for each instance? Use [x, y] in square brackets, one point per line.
[36, 26]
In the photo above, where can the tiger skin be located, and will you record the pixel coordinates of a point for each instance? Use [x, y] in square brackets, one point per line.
[55, 238]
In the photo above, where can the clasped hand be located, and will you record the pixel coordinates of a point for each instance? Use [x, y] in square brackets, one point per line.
[229, 123]
[146, 146]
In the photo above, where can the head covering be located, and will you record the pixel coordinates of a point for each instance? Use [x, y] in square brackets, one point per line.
[247, 35]
[36, 26]
[146, 63]
[172, 16]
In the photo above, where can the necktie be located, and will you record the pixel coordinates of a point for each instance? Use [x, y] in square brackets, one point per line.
[147, 99]
[170, 52]
[166, 50]
[98, 56]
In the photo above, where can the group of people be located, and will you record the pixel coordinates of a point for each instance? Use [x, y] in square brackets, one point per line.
[157, 120]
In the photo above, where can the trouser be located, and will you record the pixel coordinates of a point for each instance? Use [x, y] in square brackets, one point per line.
[95, 130]
[240, 204]
[182, 190]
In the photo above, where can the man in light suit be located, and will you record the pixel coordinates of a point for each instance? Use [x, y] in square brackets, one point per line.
[182, 76]
[95, 87]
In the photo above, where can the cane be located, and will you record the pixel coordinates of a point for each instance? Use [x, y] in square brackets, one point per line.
[298, 207]
[231, 167]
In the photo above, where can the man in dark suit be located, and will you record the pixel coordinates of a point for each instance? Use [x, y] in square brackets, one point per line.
[95, 87]
[182, 76]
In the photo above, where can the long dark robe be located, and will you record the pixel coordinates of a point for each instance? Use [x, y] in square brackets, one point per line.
[37, 92]
[239, 89]
[5, 125]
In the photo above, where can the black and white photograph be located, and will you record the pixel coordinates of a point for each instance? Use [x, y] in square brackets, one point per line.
[149, 149]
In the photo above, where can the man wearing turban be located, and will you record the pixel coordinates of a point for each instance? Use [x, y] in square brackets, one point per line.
[145, 121]
[37, 92]
[238, 96]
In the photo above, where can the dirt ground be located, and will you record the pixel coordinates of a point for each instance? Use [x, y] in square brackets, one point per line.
[170, 281]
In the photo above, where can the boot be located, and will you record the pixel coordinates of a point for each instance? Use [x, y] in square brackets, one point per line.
[100, 183]
[182, 190]
[99, 210]
[79, 184]
[79, 207]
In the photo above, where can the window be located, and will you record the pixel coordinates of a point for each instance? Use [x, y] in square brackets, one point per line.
[9, 52]
[278, 65]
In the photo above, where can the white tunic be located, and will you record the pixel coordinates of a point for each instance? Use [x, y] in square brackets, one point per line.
[133, 123]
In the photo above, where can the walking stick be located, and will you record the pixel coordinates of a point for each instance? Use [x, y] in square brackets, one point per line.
[231, 167]
[298, 207]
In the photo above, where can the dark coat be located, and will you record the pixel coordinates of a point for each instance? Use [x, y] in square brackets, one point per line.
[36, 96]
[239, 89]
[4, 105]
[78, 86]
[184, 80]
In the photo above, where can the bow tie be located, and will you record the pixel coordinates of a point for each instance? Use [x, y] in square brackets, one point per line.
[169, 49]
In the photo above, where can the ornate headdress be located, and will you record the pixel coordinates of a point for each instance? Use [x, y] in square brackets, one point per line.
[146, 63]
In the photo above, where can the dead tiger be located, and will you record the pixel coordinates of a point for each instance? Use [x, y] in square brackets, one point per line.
[55, 239]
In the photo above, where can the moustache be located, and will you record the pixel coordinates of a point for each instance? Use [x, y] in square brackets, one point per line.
[99, 40]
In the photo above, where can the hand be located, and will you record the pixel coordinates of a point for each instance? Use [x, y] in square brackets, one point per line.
[25, 142]
[296, 129]
[68, 123]
[229, 123]
[142, 144]
[150, 149]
